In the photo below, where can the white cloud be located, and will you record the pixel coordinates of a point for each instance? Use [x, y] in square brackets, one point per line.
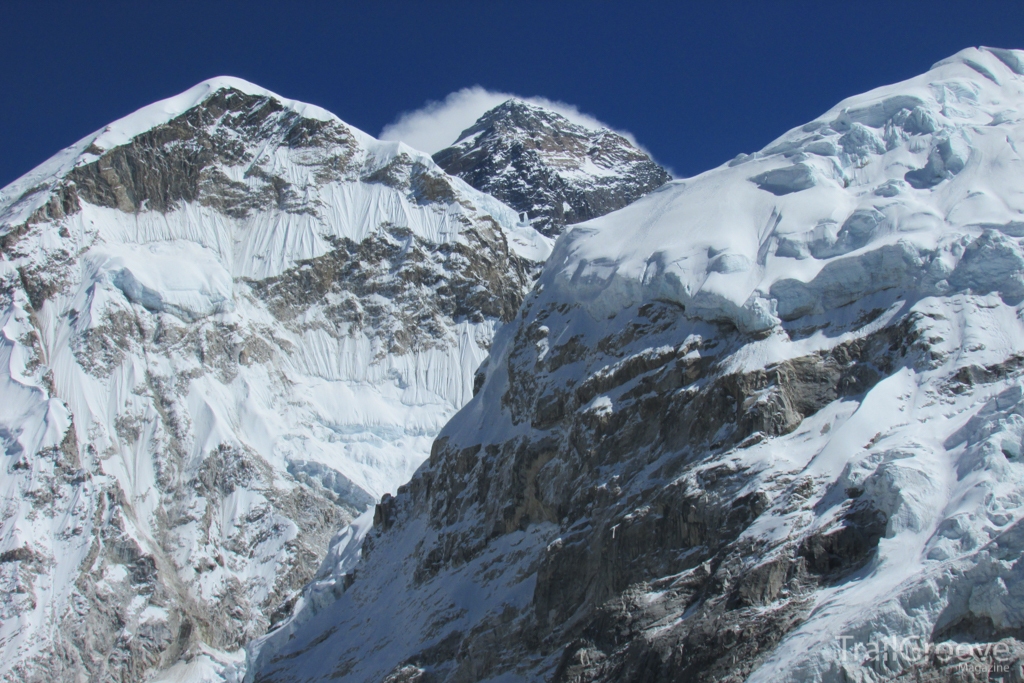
[437, 125]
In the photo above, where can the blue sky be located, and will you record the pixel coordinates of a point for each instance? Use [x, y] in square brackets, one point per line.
[695, 83]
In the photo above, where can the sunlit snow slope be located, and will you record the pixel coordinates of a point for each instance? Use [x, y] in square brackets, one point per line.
[755, 426]
[230, 322]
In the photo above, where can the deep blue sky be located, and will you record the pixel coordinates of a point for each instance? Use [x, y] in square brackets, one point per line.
[695, 83]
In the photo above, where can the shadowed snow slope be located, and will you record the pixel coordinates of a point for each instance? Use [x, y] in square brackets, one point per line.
[228, 323]
[751, 427]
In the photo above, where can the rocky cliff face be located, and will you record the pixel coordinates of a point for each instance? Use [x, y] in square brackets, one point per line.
[556, 172]
[230, 322]
[760, 425]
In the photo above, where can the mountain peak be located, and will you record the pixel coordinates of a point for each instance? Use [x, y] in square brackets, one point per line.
[972, 56]
[163, 111]
[555, 171]
[515, 104]
[216, 314]
[515, 117]
[198, 109]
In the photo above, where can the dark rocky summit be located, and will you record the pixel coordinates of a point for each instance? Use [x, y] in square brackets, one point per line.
[541, 164]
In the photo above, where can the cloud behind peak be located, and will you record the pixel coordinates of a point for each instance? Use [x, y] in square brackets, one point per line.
[438, 124]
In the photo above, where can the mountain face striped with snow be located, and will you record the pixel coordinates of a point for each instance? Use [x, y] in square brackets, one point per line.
[230, 322]
[555, 171]
[764, 424]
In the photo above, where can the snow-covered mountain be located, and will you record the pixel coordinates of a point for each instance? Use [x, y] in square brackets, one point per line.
[555, 171]
[764, 424]
[230, 322]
